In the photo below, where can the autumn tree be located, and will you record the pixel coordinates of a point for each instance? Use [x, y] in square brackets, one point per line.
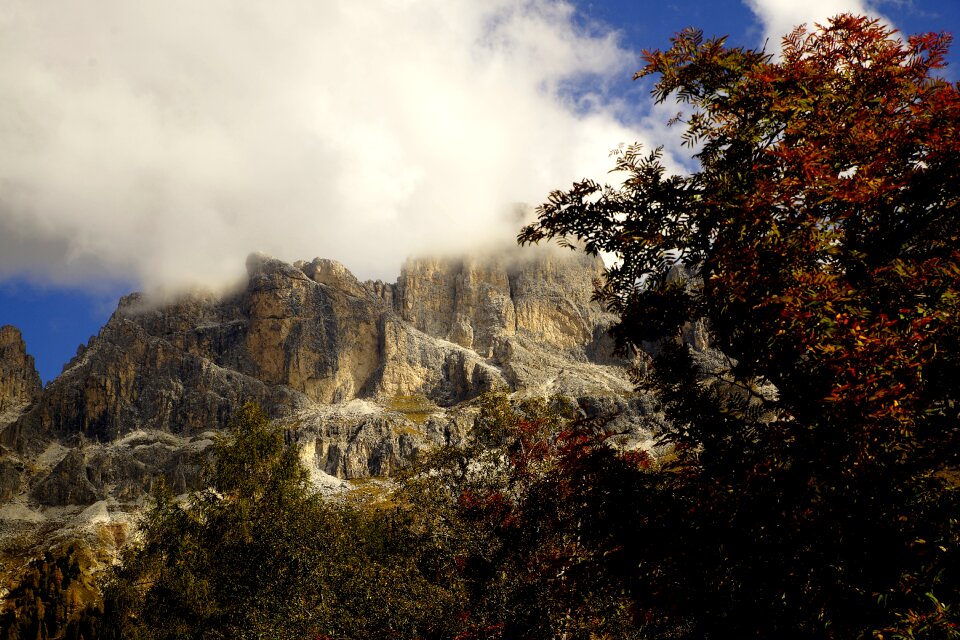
[515, 521]
[815, 492]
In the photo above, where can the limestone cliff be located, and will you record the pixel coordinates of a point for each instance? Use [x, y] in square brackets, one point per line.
[19, 380]
[474, 301]
[363, 375]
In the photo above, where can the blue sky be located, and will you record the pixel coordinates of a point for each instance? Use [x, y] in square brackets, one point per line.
[156, 151]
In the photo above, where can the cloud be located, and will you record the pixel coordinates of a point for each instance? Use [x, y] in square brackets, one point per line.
[163, 141]
[780, 17]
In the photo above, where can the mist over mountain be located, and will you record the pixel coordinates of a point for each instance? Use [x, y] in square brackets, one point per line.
[162, 143]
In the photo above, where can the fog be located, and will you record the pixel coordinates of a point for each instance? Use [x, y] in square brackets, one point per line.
[161, 142]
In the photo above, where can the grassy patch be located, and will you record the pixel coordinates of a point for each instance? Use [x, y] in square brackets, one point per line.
[404, 429]
[416, 408]
[370, 492]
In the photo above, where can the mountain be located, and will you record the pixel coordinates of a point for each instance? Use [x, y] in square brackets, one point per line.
[362, 375]
[19, 381]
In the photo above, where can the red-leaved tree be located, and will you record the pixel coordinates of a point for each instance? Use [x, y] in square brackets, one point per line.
[815, 491]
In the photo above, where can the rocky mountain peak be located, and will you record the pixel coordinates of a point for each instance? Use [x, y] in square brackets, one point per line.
[363, 375]
[19, 381]
[471, 301]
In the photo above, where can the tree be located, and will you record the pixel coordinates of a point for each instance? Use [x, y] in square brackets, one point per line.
[46, 601]
[514, 520]
[258, 554]
[230, 560]
[820, 238]
[506, 536]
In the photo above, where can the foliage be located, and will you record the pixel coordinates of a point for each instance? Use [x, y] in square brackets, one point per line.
[52, 600]
[259, 554]
[504, 536]
[819, 235]
[515, 518]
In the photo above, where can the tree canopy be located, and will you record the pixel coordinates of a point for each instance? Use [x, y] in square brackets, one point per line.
[819, 233]
[260, 555]
[484, 540]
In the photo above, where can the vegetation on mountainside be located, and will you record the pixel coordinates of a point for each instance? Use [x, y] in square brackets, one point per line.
[811, 493]
[54, 599]
[821, 230]
[474, 543]
[259, 554]
[514, 518]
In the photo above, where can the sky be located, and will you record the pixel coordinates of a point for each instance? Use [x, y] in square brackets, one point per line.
[154, 145]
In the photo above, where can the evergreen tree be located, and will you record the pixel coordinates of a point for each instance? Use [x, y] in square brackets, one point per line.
[258, 554]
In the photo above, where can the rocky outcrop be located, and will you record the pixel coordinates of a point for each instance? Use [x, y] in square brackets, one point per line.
[124, 471]
[19, 381]
[553, 297]
[362, 375]
[11, 475]
[316, 333]
[311, 333]
[473, 301]
[128, 379]
[464, 301]
[416, 363]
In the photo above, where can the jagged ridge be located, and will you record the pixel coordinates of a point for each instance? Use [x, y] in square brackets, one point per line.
[363, 374]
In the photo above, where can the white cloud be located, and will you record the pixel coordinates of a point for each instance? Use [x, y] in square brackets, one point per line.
[780, 17]
[163, 141]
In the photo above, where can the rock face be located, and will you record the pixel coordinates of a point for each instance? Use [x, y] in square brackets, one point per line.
[363, 375]
[474, 301]
[19, 380]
